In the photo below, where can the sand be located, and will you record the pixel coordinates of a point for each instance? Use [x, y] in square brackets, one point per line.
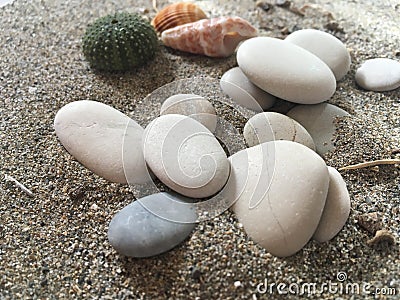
[53, 245]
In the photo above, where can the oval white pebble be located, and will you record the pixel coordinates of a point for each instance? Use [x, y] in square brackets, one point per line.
[185, 156]
[379, 74]
[193, 106]
[286, 71]
[237, 86]
[103, 139]
[326, 46]
[271, 126]
[336, 210]
[138, 231]
[280, 190]
[320, 122]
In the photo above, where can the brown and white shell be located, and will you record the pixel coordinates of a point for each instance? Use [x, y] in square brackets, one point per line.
[177, 14]
[216, 37]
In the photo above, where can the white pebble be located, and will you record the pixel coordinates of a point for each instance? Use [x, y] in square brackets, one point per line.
[286, 71]
[379, 74]
[326, 46]
[237, 86]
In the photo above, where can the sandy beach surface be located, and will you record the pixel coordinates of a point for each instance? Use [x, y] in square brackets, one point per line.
[53, 243]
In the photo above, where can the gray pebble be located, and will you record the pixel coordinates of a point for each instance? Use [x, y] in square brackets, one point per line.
[137, 231]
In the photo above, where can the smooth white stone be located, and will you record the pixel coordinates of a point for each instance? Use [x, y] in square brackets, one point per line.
[280, 190]
[237, 86]
[285, 70]
[336, 210]
[379, 74]
[103, 139]
[320, 122]
[271, 126]
[185, 156]
[193, 106]
[138, 231]
[326, 46]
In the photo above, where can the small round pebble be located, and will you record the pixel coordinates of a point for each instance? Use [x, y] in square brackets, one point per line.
[285, 70]
[320, 122]
[271, 126]
[336, 210]
[326, 46]
[237, 86]
[193, 106]
[379, 74]
[137, 231]
[185, 156]
[280, 190]
[103, 139]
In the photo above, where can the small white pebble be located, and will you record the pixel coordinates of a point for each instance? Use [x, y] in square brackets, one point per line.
[237, 284]
[94, 206]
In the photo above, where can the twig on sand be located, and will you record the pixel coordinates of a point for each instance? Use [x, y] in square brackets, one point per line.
[155, 5]
[371, 164]
[18, 184]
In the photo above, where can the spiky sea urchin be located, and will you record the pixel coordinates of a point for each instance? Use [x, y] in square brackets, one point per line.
[119, 42]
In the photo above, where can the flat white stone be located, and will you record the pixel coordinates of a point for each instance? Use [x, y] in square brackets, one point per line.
[191, 105]
[326, 46]
[103, 139]
[280, 190]
[185, 156]
[138, 231]
[271, 126]
[237, 86]
[319, 120]
[336, 210]
[285, 70]
[379, 74]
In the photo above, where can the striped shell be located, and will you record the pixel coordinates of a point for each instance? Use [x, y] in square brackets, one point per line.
[177, 14]
[216, 37]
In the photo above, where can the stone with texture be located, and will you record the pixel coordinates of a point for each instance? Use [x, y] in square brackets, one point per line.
[193, 106]
[336, 210]
[271, 126]
[138, 231]
[379, 74]
[185, 156]
[326, 46]
[286, 71]
[103, 139]
[237, 86]
[280, 190]
[320, 122]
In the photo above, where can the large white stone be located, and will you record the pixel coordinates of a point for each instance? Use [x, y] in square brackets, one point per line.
[185, 156]
[237, 86]
[280, 190]
[336, 210]
[379, 74]
[320, 122]
[191, 105]
[103, 139]
[286, 71]
[271, 126]
[326, 46]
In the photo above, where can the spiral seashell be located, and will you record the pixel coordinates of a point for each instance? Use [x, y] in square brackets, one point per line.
[216, 37]
[177, 14]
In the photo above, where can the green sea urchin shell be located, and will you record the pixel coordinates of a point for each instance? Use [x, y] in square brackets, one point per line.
[119, 42]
